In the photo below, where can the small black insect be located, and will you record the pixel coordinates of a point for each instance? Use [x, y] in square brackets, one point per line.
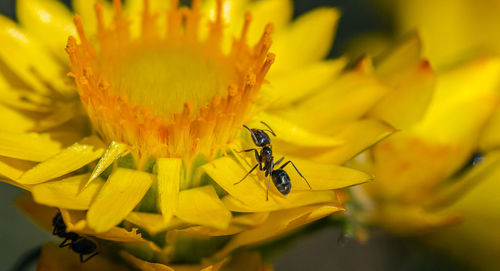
[265, 161]
[76, 242]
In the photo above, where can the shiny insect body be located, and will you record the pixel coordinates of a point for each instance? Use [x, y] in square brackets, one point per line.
[79, 244]
[266, 163]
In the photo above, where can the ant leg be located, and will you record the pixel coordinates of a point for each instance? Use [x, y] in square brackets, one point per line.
[255, 150]
[247, 174]
[257, 156]
[297, 172]
[64, 244]
[267, 191]
[88, 258]
[279, 161]
[270, 170]
[270, 129]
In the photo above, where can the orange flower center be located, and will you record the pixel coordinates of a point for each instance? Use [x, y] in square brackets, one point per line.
[169, 94]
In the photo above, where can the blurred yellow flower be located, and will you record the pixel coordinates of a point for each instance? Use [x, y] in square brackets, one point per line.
[452, 30]
[430, 173]
[458, 38]
[140, 153]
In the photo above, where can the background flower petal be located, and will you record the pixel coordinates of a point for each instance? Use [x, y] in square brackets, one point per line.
[30, 61]
[28, 146]
[318, 26]
[15, 121]
[41, 17]
[290, 87]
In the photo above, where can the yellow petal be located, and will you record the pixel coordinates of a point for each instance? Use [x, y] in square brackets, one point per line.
[26, 57]
[153, 223]
[28, 146]
[59, 116]
[14, 121]
[296, 199]
[405, 54]
[169, 177]
[452, 31]
[409, 97]
[53, 258]
[400, 160]
[409, 219]
[24, 99]
[324, 176]
[276, 12]
[490, 136]
[279, 223]
[238, 224]
[289, 132]
[70, 132]
[318, 26]
[144, 265]
[41, 17]
[113, 152]
[250, 195]
[250, 219]
[207, 231]
[355, 137]
[13, 168]
[462, 184]
[65, 193]
[66, 161]
[202, 206]
[478, 208]
[122, 191]
[290, 87]
[346, 99]
[464, 99]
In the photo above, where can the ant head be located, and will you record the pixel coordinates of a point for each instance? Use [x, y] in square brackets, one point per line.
[259, 137]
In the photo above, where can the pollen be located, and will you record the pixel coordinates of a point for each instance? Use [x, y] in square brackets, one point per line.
[170, 94]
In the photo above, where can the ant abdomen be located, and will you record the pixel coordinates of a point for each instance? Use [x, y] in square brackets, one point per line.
[282, 181]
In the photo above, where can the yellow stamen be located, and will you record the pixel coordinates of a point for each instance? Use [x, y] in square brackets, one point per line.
[170, 94]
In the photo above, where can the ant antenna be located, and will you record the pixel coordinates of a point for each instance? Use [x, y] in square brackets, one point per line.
[270, 129]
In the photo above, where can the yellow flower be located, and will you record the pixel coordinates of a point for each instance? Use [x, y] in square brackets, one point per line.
[139, 154]
[439, 169]
[458, 38]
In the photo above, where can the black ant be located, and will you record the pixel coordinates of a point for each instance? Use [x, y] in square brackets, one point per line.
[76, 242]
[265, 161]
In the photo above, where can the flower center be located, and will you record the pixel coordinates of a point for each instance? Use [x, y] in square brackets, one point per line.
[168, 94]
[169, 78]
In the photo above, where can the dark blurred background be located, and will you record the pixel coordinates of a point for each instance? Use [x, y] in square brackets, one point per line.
[316, 251]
